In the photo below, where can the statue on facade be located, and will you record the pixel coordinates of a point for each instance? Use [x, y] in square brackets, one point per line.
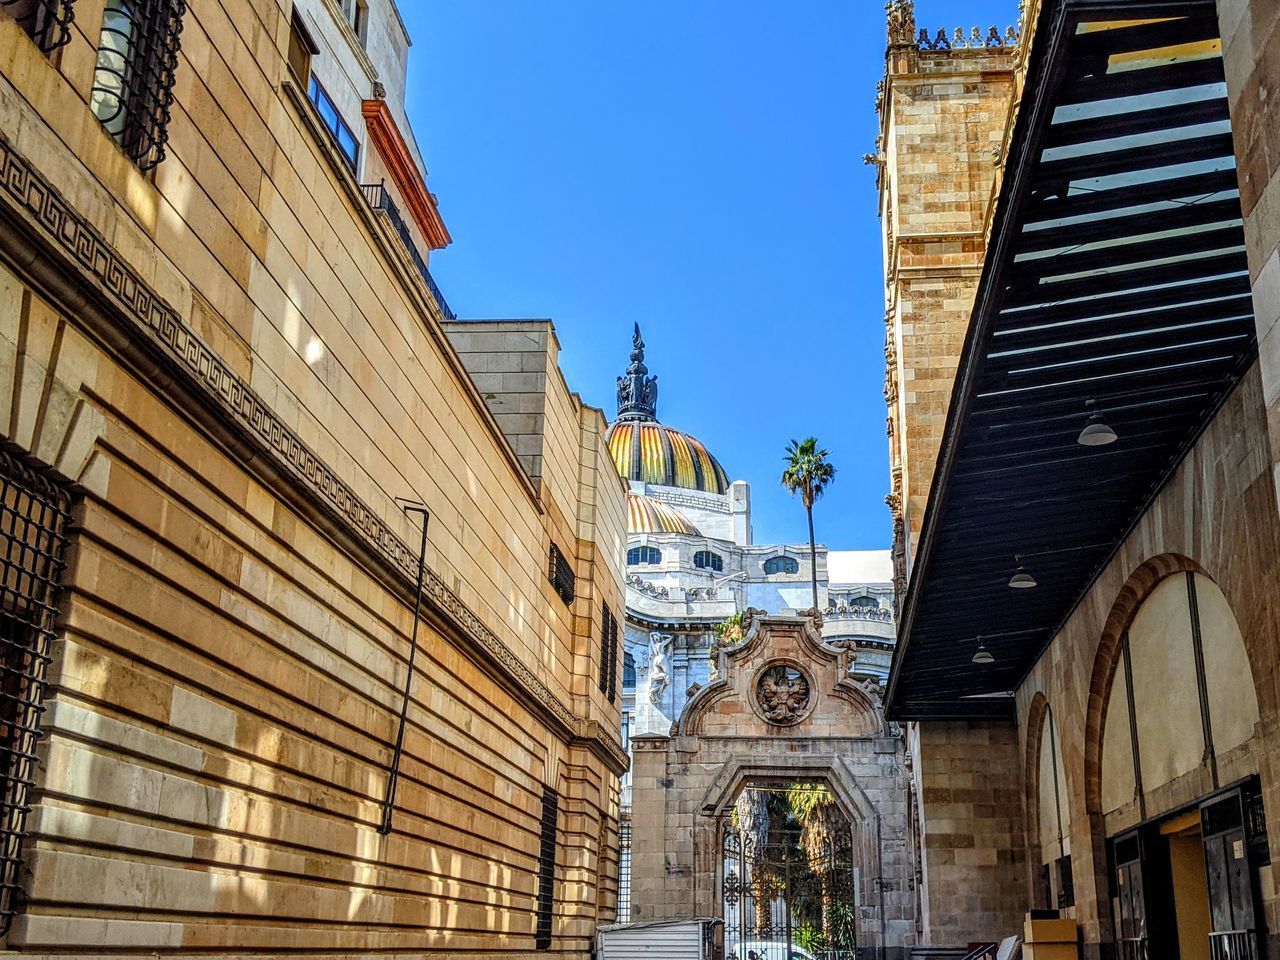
[659, 679]
[637, 391]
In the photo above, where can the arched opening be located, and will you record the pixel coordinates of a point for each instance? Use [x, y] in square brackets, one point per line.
[1048, 819]
[1170, 783]
[790, 876]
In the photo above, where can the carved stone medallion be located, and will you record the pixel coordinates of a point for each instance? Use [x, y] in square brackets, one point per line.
[783, 694]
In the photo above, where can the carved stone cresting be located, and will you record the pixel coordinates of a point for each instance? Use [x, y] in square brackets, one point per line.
[784, 694]
[144, 315]
[902, 22]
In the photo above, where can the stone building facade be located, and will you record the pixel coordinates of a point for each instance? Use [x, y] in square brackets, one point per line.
[692, 564]
[1112, 654]
[224, 372]
[731, 738]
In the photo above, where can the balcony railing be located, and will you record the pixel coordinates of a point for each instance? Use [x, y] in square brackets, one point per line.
[1234, 945]
[380, 199]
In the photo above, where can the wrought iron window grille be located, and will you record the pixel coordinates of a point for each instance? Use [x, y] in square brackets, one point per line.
[560, 573]
[609, 654]
[379, 199]
[46, 22]
[624, 872]
[546, 867]
[34, 515]
[133, 82]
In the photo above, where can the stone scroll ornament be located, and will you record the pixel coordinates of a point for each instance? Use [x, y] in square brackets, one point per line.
[783, 694]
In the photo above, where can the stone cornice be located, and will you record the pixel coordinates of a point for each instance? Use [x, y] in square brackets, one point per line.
[56, 246]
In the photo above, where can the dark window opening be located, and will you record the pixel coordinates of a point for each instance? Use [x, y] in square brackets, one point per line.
[547, 867]
[608, 654]
[342, 134]
[628, 671]
[34, 514]
[47, 22]
[1066, 884]
[560, 573]
[133, 80]
[776, 565]
[641, 556]
[301, 49]
[708, 560]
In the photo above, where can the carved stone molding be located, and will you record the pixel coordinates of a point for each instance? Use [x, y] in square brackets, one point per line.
[147, 320]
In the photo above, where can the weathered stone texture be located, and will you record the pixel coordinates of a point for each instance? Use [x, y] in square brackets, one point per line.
[227, 684]
[683, 786]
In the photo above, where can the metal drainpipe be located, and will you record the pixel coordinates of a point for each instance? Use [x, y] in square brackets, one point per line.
[393, 775]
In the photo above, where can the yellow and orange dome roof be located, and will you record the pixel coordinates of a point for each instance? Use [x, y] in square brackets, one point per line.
[648, 451]
[647, 515]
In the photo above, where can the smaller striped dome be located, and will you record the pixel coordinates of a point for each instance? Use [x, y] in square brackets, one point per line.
[646, 515]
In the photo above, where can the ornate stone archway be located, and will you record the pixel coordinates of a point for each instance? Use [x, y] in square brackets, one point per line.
[783, 709]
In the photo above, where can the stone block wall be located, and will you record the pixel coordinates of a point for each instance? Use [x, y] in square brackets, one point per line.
[972, 844]
[239, 371]
[943, 117]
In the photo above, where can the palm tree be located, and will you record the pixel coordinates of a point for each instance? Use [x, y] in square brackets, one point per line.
[808, 473]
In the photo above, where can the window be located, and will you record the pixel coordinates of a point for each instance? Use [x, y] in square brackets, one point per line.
[560, 573]
[301, 49]
[1066, 883]
[776, 565]
[624, 872]
[34, 513]
[546, 867]
[133, 80]
[708, 560]
[333, 122]
[609, 654]
[628, 671]
[640, 556]
[47, 22]
[356, 13]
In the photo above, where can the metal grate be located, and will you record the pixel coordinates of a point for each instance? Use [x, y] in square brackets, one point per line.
[560, 573]
[624, 871]
[133, 81]
[1234, 945]
[47, 22]
[380, 199]
[547, 867]
[609, 654]
[34, 513]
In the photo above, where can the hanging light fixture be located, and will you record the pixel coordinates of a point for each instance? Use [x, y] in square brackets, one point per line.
[1022, 580]
[983, 656]
[1097, 432]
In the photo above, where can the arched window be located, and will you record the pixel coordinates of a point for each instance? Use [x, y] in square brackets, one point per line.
[776, 565]
[870, 603]
[638, 556]
[708, 560]
[628, 671]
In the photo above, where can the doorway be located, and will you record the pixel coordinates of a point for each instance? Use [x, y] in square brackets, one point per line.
[789, 887]
[1184, 886]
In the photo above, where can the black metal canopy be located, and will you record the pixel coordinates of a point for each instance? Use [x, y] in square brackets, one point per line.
[1115, 284]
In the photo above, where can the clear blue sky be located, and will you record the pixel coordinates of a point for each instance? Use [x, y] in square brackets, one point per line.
[693, 165]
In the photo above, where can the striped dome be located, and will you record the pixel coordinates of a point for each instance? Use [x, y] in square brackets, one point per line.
[646, 515]
[646, 450]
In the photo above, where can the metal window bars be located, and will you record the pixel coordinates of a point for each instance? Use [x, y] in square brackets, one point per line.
[546, 867]
[133, 81]
[34, 515]
[379, 199]
[560, 573]
[46, 22]
[624, 872]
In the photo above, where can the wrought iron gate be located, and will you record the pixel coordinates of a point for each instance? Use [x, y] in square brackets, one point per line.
[782, 902]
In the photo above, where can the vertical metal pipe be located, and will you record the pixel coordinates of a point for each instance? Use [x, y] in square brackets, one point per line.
[393, 775]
